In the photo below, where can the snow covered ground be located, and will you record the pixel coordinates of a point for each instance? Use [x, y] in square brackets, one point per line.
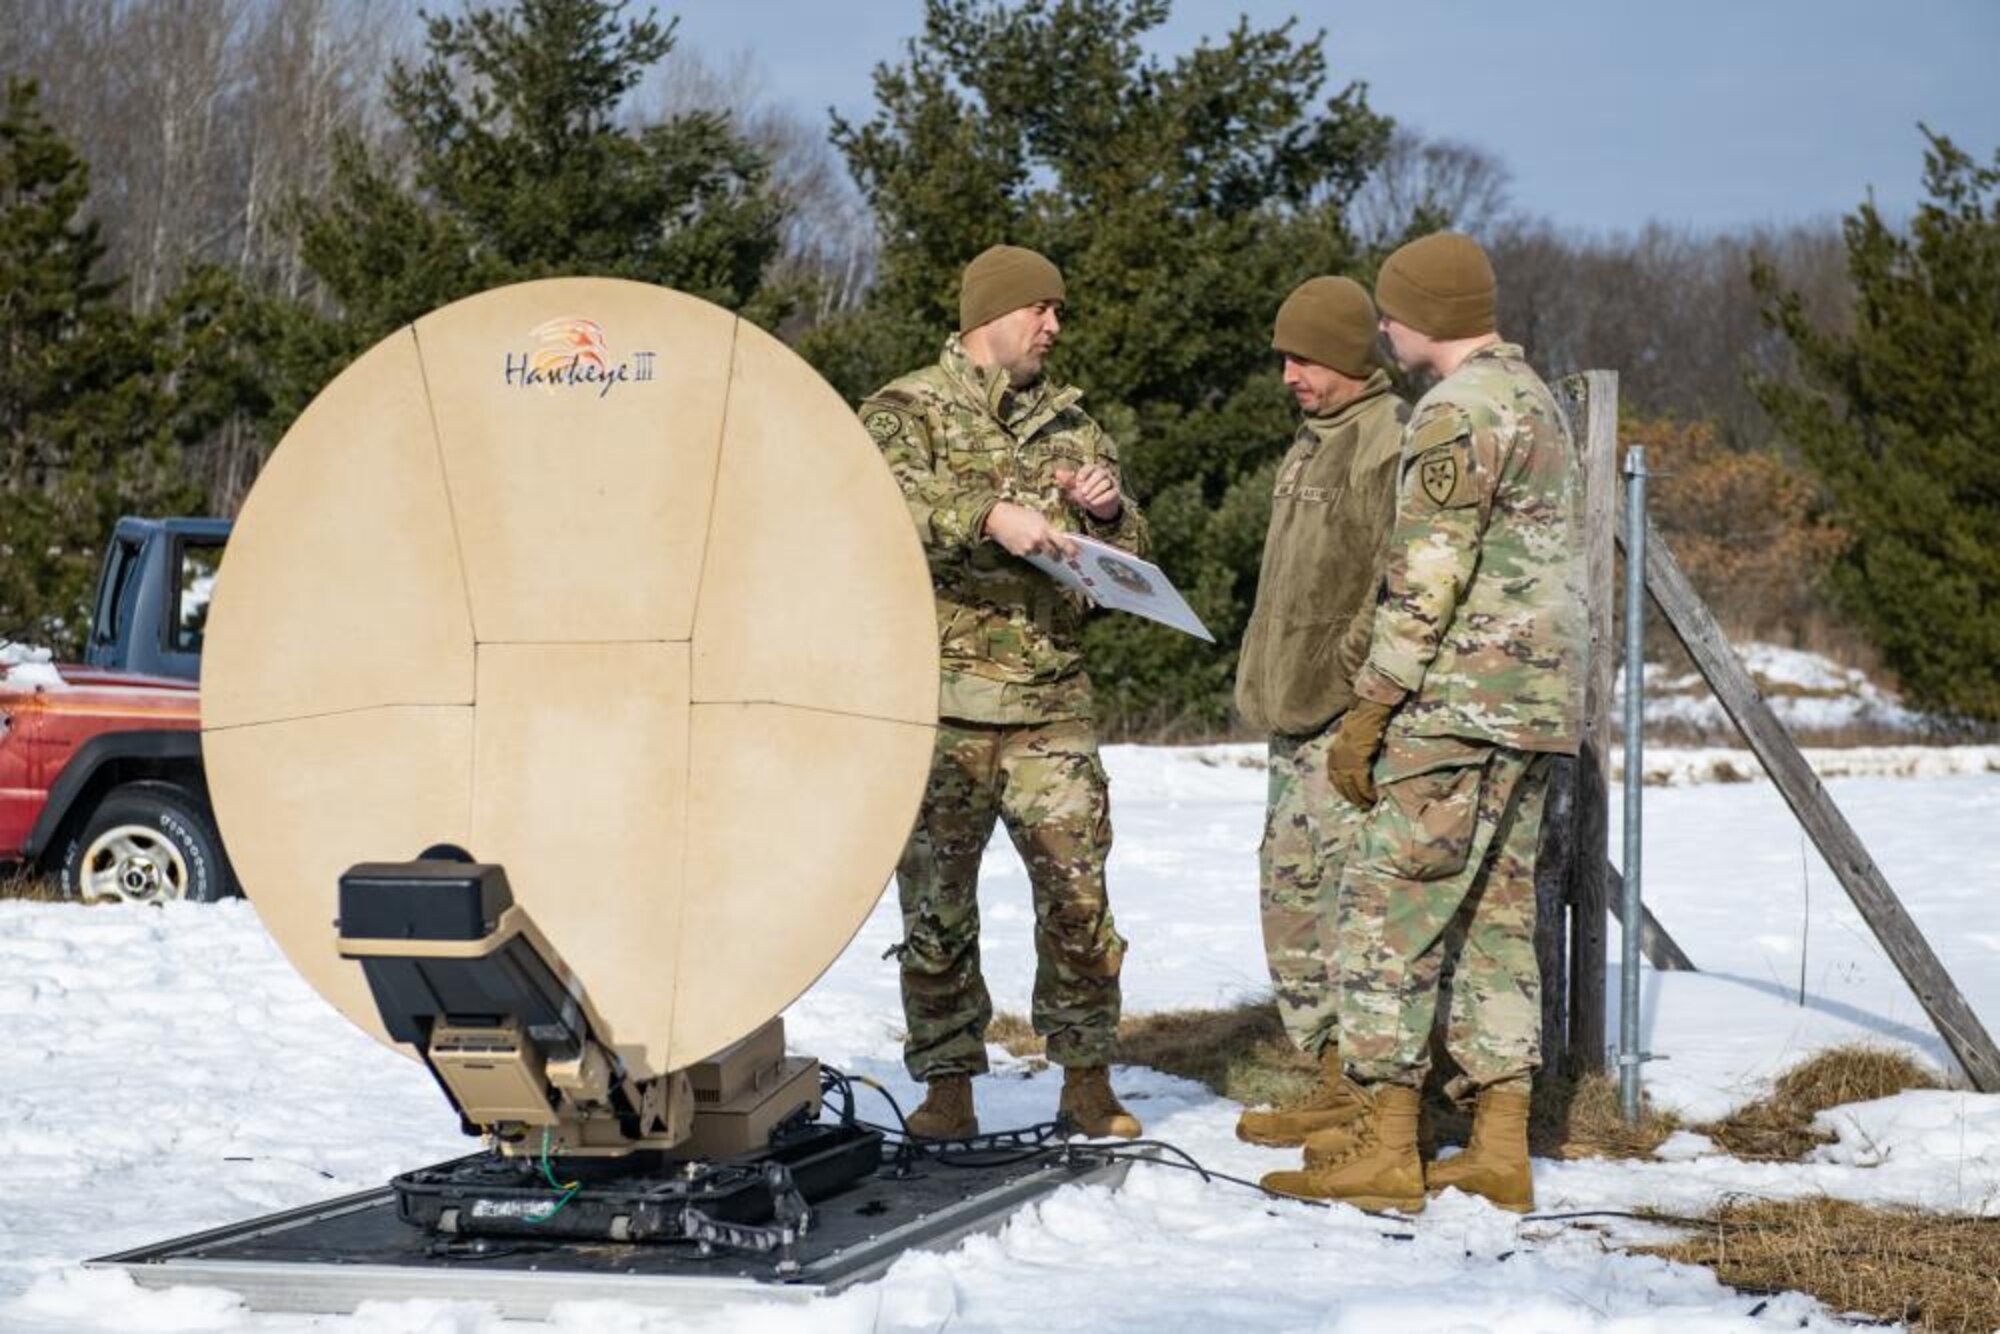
[1813, 696]
[167, 1071]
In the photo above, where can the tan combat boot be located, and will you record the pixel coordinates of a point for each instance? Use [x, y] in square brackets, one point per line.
[1087, 1100]
[1332, 1103]
[1495, 1164]
[946, 1112]
[1381, 1169]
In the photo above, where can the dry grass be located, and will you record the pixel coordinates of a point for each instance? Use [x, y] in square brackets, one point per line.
[1580, 1118]
[1242, 1052]
[1778, 1127]
[1015, 1035]
[1933, 1272]
[18, 884]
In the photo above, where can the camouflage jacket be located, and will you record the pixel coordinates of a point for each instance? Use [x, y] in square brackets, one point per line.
[1332, 508]
[960, 440]
[1480, 630]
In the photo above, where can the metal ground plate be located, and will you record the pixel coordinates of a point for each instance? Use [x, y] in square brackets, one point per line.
[331, 1257]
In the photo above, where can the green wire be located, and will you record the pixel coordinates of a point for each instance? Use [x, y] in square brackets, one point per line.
[569, 1188]
[554, 1209]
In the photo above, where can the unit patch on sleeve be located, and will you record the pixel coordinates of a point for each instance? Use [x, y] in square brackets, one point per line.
[883, 424]
[1440, 452]
[1438, 475]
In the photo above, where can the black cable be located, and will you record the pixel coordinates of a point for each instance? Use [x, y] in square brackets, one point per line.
[914, 1148]
[1209, 1174]
[972, 1160]
[911, 1148]
[1674, 1220]
[1191, 1163]
[831, 1080]
[888, 1097]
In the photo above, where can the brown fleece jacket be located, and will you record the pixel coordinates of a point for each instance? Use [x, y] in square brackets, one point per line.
[1331, 512]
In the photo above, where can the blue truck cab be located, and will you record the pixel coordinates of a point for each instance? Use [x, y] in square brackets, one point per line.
[153, 596]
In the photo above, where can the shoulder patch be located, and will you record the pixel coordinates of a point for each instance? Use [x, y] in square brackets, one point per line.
[882, 423]
[1441, 475]
[887, 418]
[1439, 471]
[1437, 426]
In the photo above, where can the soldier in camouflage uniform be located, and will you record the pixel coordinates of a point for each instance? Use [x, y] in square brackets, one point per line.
[1472, 685]
[1332, 506]
[998, 463]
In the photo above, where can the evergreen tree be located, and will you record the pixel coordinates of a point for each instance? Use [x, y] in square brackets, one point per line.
[84, 434]
[1901, 419]
[515, 161]
[1183, 199]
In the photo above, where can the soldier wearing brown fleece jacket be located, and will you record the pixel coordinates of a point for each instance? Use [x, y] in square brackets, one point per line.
[1332, 508]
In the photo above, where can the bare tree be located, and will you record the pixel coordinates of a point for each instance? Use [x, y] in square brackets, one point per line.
[199, 119]
[1423, 183]
[1671, 309]
[310, 70]
[829, 237]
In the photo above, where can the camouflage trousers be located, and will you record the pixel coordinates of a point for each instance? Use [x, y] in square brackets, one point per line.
[1045, 782]
[1307, 829]
[1441, 878]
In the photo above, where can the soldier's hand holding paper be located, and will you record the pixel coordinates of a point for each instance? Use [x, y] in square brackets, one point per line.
[1024, 532]
[1093, 489]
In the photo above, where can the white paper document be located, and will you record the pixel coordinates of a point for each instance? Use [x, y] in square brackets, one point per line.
[1112, 577]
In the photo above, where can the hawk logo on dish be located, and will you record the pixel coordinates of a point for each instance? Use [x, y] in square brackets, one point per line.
[572, 352]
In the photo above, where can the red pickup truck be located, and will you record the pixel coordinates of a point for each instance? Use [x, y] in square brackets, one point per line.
[101, 779]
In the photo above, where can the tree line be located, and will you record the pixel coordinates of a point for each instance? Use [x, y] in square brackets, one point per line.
[207, 210]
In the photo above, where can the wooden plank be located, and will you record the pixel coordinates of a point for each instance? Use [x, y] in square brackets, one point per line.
[1590, 401]
[1654, 942]
[1831, 834]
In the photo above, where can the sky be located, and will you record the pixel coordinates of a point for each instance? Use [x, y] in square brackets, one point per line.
[1608, 115]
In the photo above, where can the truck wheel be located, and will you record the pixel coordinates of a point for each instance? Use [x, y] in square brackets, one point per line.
[145, 843]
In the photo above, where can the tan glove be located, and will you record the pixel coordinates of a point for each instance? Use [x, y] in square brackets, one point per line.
[1351, 758]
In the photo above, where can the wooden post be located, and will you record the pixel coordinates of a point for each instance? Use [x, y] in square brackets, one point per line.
[1552, 880]
[1831, 834]
[1590, 401]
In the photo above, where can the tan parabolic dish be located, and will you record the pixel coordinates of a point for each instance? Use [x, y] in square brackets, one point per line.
[656, 635]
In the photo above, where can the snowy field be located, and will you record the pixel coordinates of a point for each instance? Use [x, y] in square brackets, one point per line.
[1811, 695]
[168, 1072]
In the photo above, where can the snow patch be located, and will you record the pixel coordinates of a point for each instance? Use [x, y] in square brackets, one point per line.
[1807, 691]
[27, 665]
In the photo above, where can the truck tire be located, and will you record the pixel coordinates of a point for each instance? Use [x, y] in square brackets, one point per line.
[146, 843]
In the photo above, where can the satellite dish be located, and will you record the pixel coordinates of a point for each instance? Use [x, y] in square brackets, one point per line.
[604, 584]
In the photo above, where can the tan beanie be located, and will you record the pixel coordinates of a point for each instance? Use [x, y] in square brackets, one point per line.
[1441, 285]
[1330, 321]
[1005, 278]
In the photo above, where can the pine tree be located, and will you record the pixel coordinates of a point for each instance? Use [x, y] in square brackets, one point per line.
[83, 430]
[516, 161]
[1901, 419]
[1183, 199]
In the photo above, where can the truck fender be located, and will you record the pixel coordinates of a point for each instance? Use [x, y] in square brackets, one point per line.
[149, 749]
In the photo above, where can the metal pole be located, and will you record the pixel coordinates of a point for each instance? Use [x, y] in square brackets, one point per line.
[1629, 1055]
